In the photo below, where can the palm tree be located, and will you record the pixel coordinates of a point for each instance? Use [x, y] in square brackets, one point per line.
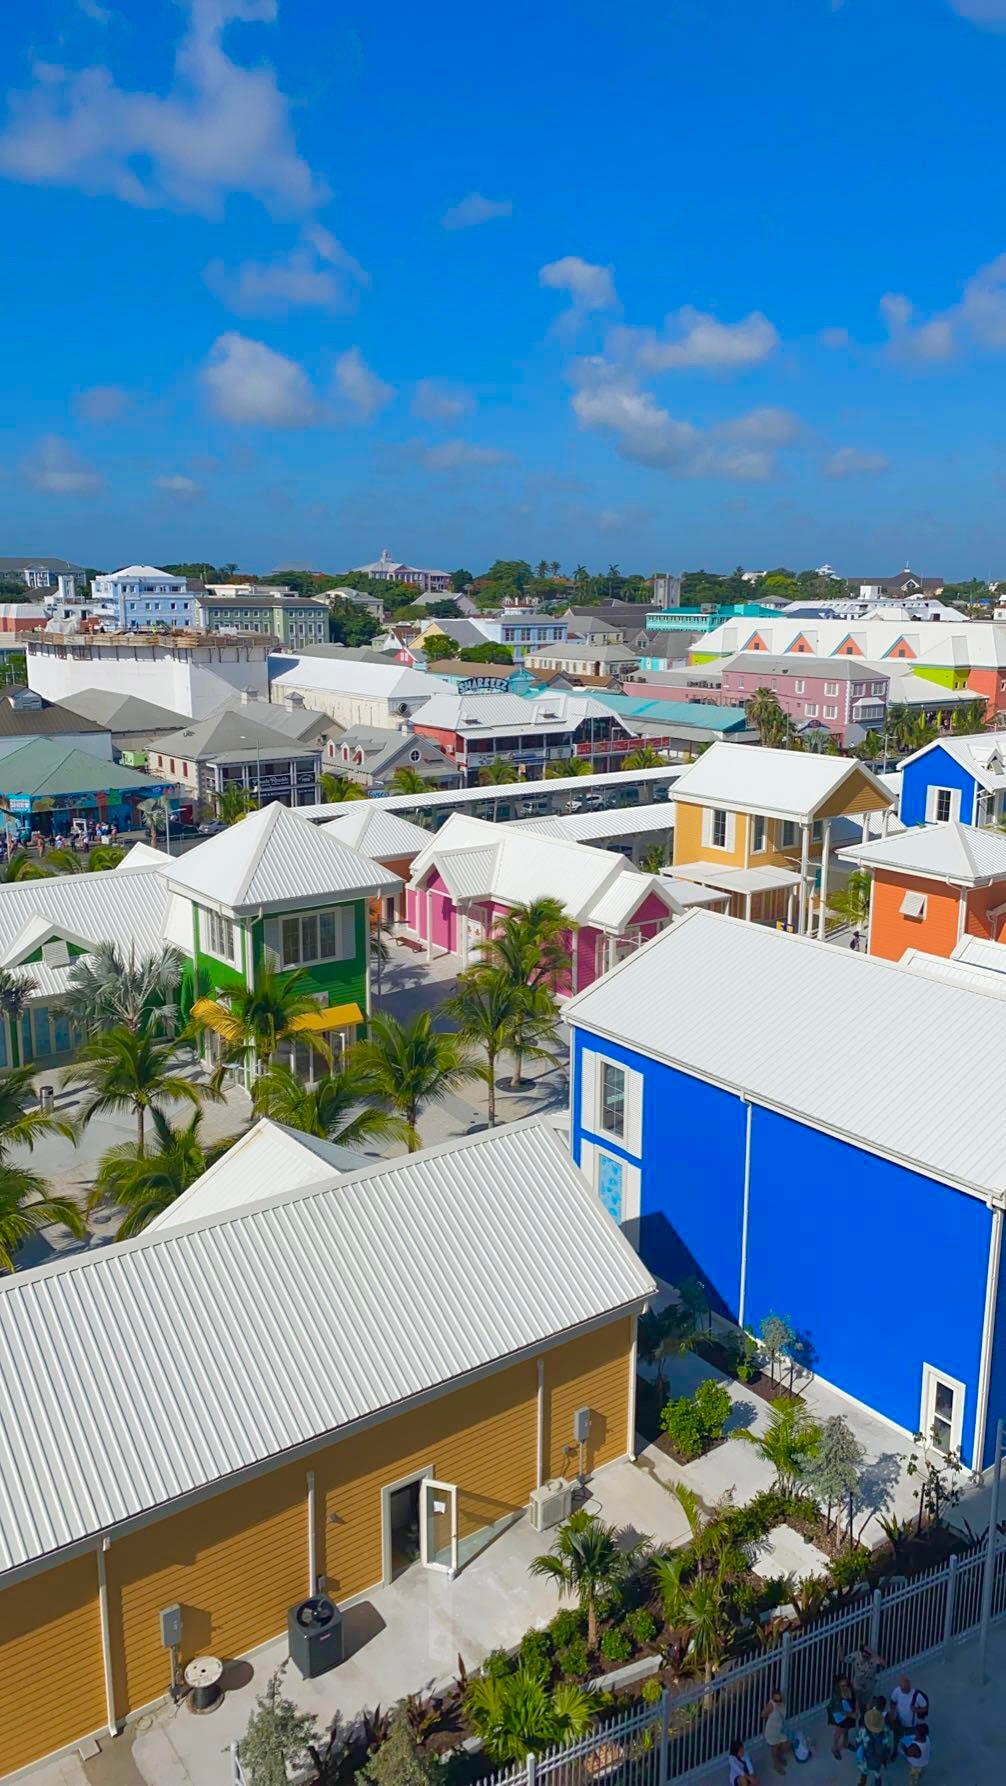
[104, 856]
[331, 1107]
[119, 1069]
[234, 802]
[562, 767]
[276, 1008]
[705, 1621]
[25, 1206]
[871, 749]
[22, 866]
[667, 1335]
[494, 1013]
[532, 946]
[409, 781]
[519, 1714]
[16, 988]
[497, 773]
[586, 1561]
[644, 757]
[145, 1184]
[970, 716]
[768, 717]
[413, 1065]
[335, 788]
[852, 901]
[106, 988]
[790, 1443]
[63, 861]
[653, 859]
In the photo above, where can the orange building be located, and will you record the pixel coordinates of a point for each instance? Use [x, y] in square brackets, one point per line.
[237, 1410]
[932, 886]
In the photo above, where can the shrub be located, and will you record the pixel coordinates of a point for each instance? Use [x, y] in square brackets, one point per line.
[497, 1664]
[535, 1648]
[616, 1645]
[611, 1607]
[642, 1625]
[745, 1599]
[682, 1423]
[775, 1592]
[574, 1660]
[567, 1626]
[850, 1566]
[712, 1399]
[651, 1690]
[746, 1365]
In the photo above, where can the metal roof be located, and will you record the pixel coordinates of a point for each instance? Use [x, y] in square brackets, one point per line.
[785, 783]
[49, 768]
[585, 787]
[738, 880]
[119, 712]
[349, 676]
[956, 973]
[981, 953]
[757, 1010]
[128, 906]
[274, 857]
[950, 851]
[367, 827]
[268, 1158]
[233, 731]
[982, 754]
[423, 1269]
[549, 713]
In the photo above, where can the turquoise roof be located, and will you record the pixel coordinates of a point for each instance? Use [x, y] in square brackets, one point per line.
[674, 713]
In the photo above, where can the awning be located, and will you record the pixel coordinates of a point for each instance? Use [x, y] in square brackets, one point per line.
[334, 1017]
[737, 880]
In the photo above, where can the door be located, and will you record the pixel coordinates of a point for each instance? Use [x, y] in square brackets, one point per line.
[438, 1525]
[942, 1419]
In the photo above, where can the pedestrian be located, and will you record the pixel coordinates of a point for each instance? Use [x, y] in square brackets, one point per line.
[841, 1714]
[909, 1708]
[854, 940]
[874, 1747]
[915, 1749]
[777, 1741]
[741, 1771]
[866, 1665]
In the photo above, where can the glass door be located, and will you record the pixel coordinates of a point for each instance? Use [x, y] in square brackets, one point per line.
[438, 1525]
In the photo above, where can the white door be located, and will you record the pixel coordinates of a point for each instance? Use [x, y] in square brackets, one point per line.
[942, 1418]
[438, 1525]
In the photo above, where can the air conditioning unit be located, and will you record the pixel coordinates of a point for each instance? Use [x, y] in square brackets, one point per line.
[550, 1504]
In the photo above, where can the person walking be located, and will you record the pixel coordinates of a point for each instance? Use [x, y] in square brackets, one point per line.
[909, 1707]
[915, 1749]
[741, 1771]
[866, 1666]
[774, 1731]
[874, 1748]
[841, 1714]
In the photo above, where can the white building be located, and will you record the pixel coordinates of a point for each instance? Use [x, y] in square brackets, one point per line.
[186, 674]
[386, 570]
[354, 692]
[142, 596]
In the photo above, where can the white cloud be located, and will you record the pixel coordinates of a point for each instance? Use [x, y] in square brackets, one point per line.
[55, 466]
[834, 339]
[588, 287]
[911, 340]
[977, 321]
[251, 385]
[476, 209]
[221, 128]
[103, 403]
[318, 272]
[436, 400]
[359, 386]
[850, 462]
[608, 398]
[183, 488]
[463, 455]
[101, 15]
[982, 12]
[694, 341]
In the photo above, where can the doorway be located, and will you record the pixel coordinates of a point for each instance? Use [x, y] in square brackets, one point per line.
[400, 1529]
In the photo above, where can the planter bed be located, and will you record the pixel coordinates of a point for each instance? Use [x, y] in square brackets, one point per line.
[663, 1443]
[768, 1389]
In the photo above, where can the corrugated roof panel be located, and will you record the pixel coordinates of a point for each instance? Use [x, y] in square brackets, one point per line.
[128, 907]
[268, 1156]
[273, 856]
[339, 1303]
[792, 782]
[759, 1010]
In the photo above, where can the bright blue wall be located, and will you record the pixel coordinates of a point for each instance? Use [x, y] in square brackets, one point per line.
[883, 1270]
[938, 769]
[997, 1377]
[693, 1173]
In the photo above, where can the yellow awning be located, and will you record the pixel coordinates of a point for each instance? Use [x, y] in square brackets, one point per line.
[335, 1017]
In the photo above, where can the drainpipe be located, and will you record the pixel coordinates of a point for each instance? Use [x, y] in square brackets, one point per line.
[106, 1639]
[801, 924]
[823, 895]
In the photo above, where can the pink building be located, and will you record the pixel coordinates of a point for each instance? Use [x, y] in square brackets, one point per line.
[472, 872]
[846, 695]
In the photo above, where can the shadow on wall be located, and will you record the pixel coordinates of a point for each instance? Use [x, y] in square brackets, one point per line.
[667, 1255]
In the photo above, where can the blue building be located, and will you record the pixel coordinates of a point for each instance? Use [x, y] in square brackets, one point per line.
[143, 596]
[814, 1133]
[955, 778]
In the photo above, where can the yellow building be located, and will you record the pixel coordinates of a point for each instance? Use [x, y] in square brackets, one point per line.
[227, 1414]
[757, 824]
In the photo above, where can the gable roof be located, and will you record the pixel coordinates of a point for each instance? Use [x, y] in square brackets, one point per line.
[981, 952]
[268, 1159]
[367, 827]
[779, 783]
[48, 768]
[487, 713]
[487, 1248]
[274, 857]
[127, 905]
[677, 1000]
[41, 721]
[965, 854]
[234, 732]
[982, 754]
[119, 712]
[350, 675]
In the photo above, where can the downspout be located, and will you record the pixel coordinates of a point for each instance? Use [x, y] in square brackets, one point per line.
[106, 1638]
[742, 1290]
[988, 1337]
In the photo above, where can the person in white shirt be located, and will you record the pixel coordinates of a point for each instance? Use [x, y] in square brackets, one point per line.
[915, 1749]
[909, 1707]
[741, 1771]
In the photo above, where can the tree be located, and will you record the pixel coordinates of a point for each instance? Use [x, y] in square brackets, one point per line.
[669, 1334]
[706, 1622]
[145, 1184]
[497, 773]
[104, 856]
[653, 859]
[587, 1560]
[560, 768]
[25, 1204]
[409, 781]
[532, 945]
[276, 1738]
[970, 717]
[836, 1471]
[400, 1761]
[871, 749]
[790, 1444]
[234, 802]
[21, 866]
[258, 1019]
[105, 988]
[495, 1013]
[489, 653]
[519, 1714]
[776, 1335]
[119, 1069]
[335, 788]
[938, 1488]
[460, 580]
[334, 1108]
[351, 624]
[413, 1065]
[16, 988]
[851, 902]
[768, 717]
[645, 757]
[441, 648]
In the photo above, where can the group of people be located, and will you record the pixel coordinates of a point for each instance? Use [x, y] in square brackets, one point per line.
[878, 1729]
[80, 838]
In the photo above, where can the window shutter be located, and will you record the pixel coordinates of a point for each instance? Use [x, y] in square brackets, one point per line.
[731, 837]
[347, 932]
[270, 942]
[631, 1194]
[707, 825]
[587, 1161]
[634, 1113]
[588, 1089]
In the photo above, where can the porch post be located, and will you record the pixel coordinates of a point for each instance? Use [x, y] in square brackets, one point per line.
[463, 922]
[429, 924]
[804, 872]
[790, 896]
[823, 895]
[747, 907]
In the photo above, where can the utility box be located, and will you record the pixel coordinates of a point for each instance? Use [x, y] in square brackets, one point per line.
[171, 1627]
[550, 1505]
[581, 1425]
[314, 1630]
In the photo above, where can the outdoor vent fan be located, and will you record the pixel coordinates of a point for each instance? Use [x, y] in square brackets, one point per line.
[550, 1504]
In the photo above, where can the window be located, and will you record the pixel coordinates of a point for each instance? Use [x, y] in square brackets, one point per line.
[831, 688]
[913, 905]
[217, 935]
[719, 829]
[787, 834]
[318, 936]
[831, 713]
[942, 805]
[758, 833]
[942, 1416]
[810, 709]
[799, 685]
[612, 1108]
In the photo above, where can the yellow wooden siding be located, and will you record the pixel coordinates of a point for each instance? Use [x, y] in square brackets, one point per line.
[52, 1684]
[688, 838]
[592, 1372]
[234, 1563]
[482, 1437]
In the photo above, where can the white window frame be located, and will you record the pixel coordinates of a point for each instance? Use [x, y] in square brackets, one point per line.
[810, 709]
[730, 829]
[831, 688]
[591, 1062]
[932, 801]
[913, 905]
[207, 921]
[345, 920]
[831, 713]
[758, 848]
[930, 1377]
[591, 1157]
[798, 686]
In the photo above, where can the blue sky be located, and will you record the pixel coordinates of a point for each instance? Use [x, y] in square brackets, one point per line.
[288, 281]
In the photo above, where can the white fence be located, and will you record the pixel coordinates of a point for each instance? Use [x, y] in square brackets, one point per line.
[679, 1736]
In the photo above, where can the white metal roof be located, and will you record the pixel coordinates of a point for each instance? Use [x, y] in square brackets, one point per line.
[472, 714]
[367, 827]
[128, 909]
[954, 973]
[953, 852]
[581, 785]
[791, 784]
[618, 821]
[981, 953]
[303, 1315]
[267, 1161]
[275, 857]
[350, 676]
[758, 1010]
[738, 880]
[982, 754]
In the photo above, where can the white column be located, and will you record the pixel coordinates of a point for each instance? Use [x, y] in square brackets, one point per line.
[429, 924]
[747, 907]
[540, 1425]
[789, 907]
[312, 1538]
[823, 897]
[866, 827]
[804, 873]
[463, 922]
